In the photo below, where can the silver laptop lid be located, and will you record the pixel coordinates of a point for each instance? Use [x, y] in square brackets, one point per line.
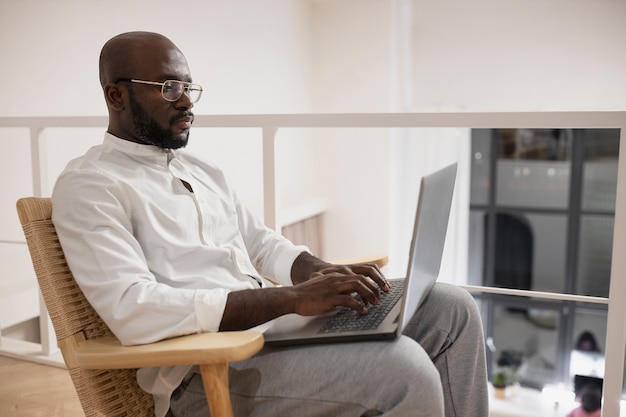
[429, 236]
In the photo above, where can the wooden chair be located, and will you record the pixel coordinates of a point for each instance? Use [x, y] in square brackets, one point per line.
[102, 370]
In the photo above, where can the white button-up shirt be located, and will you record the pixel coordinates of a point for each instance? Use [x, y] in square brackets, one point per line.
[154, 259]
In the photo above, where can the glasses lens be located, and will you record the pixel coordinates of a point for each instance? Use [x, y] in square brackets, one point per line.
[172, 90]
[194, 91]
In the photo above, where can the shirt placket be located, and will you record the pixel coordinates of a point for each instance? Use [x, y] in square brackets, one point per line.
[202, 206]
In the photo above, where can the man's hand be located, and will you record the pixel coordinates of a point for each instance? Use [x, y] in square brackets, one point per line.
[336, 286]
[307, 266]
[318, 288]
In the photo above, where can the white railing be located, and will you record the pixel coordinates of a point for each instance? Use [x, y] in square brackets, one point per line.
[270, 124]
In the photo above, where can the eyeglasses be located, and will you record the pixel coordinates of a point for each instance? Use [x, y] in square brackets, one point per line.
[172, 90]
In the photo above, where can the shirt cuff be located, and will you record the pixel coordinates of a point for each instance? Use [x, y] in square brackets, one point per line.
[284, 262]
[209, 308]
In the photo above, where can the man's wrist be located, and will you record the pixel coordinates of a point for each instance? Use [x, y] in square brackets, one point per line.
[304, 266]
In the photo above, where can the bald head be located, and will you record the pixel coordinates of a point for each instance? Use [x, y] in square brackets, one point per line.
[133, 67]
[123, 54]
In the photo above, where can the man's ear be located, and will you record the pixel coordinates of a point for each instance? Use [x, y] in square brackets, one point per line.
[114, 96]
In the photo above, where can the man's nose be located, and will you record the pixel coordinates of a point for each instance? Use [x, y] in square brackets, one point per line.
[184, 102]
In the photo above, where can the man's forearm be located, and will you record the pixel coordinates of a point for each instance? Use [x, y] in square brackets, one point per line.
[248, 308]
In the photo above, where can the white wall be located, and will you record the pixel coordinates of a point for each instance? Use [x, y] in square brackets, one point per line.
[352, 73]
[520, 55]
[250, 56]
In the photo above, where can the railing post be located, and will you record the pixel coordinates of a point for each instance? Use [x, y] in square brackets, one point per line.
[615, 327]
[270, 193]
[35, 160]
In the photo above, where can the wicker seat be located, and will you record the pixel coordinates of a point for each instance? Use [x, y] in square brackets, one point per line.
[103, 371]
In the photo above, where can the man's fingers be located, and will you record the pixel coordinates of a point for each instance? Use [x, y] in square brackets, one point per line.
[372, 271]
[361, 285]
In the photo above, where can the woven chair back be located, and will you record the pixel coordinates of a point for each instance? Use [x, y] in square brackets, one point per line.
[102, 393]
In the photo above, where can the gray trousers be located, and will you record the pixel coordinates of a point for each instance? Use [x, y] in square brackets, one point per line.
[439, 364]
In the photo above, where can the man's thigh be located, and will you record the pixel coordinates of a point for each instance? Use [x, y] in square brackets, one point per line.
[351, 379]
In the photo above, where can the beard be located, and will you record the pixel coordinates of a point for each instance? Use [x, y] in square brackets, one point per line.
[149, 132]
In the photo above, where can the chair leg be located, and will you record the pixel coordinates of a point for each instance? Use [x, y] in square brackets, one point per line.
[215, 380]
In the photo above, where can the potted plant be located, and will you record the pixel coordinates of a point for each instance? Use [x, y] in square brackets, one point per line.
[506, 375]
[499, 382]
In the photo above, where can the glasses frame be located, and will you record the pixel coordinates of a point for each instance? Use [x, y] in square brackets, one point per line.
[186, 87]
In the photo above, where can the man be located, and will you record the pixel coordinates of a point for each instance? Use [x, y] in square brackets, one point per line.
[161, 247]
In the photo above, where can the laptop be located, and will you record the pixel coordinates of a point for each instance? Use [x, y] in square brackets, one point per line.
[345, 325]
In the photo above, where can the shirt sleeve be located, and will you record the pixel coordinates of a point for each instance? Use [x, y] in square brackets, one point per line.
[271, 253]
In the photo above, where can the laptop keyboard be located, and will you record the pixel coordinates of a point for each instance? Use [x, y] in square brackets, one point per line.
[347, 320]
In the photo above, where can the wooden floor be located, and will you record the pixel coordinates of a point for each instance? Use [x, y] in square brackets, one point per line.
[28, 389]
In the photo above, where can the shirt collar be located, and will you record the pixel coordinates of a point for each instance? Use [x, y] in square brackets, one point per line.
[139, 149]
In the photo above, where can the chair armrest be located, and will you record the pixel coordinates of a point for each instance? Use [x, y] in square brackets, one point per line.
[378, 260]
[196, 349]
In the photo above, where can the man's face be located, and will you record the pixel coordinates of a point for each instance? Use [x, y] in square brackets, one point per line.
[165, 134]
[150, 118]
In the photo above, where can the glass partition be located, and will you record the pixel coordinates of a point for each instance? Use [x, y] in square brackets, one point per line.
[542, 204]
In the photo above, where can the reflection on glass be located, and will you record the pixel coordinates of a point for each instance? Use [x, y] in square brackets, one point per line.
[536, 184]
[587, 356]
[533, 167]
[589, 320]
[514, 248]
[534, 144]
[480, 159]
[600, 168]
[475, 248]
[594, 258]
[530, 251]
[549, 253]
[552, 217]
[532, 335]
[587, 360]
[586, 365]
